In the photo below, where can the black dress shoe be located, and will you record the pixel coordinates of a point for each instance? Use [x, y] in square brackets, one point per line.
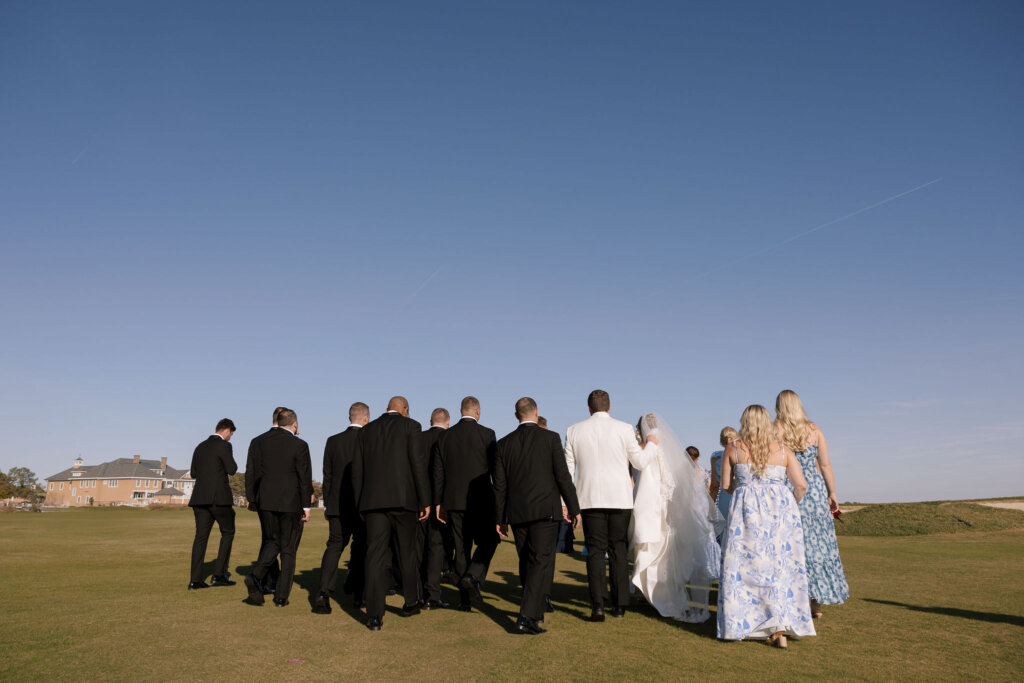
[435, 604]
[597, 614]
[358, 603]
[196, 585]
[392, 591]
[548, 607]
[471, 588]
[255, 590]
[529, 626]
[280, 603]
[374, 623]
[268, 588]
[410, 610]
[465, 607]
[619, 612]
[221, 580]
[322, 605]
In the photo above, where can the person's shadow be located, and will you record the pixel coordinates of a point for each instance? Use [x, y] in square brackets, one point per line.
[309, 580]
[993, 617]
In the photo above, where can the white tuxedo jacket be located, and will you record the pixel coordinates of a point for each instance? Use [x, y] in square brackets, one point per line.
[599, 451]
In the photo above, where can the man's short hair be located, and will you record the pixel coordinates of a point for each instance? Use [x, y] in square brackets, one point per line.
[439, 415]
[398, 403]
[286, 418]
[277, 411]
[225, 424]
[542, 421]
[599, 401]
[469, 403]
[357, 410]
[692, 452]
[525, 406]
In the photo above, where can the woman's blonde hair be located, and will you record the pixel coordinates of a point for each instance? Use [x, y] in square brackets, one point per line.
[791, 423]
[727, 436]
[757, 435]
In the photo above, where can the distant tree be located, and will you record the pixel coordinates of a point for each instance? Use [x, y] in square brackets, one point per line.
[318, 490]
[237, 483]
[6, 490]
[23, 482]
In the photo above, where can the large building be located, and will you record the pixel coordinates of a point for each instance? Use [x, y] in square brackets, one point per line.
[125, 481]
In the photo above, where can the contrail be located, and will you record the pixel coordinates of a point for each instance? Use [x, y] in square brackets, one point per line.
[816, 228]
[427, 281]
[80, 154]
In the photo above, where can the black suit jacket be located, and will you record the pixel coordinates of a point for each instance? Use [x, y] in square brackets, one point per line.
[389, 471]
[340, 451]
[462, 470]
[283, 473]
[529, 476]
[429, 452]
[252, 491]
[212, 464]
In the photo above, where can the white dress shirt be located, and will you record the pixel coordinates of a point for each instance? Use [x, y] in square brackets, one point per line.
[599, 451]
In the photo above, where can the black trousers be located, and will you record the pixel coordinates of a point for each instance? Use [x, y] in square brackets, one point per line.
[469, 528]
[205, 515]
[535, 543]
[607, 530]
[430, 546]
[265, 523]
[340, 532]
[381, 527]
[285, 534]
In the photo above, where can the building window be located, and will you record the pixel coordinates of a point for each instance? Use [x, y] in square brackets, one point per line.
[51, 485]
[78, 500]
[139, 494]
[138, 482]
[111, 482]
[62, 486]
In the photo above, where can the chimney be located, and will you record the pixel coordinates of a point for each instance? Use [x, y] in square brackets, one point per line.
[163, 463]
[136, 459]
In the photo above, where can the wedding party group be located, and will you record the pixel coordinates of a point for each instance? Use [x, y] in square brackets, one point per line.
[414, 504]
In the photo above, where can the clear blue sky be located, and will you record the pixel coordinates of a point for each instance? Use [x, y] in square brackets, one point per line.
[210, 209]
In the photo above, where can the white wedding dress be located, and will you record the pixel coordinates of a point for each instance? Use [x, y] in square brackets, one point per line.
[673, 530]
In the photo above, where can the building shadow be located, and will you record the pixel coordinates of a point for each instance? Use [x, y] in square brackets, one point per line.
[992, 617]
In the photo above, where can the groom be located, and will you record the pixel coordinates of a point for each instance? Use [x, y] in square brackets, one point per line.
[599, 451]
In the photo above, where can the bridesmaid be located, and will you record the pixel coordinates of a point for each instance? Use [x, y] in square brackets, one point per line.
[763, 590]
[722, 497]
[825, 577]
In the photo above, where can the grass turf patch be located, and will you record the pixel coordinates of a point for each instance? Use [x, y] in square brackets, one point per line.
[915, 519]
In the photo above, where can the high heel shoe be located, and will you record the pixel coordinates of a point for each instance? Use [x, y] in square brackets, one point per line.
[815, 610]
[779, 640]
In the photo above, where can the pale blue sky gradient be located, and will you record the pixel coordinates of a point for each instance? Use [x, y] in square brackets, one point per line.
[209, 209]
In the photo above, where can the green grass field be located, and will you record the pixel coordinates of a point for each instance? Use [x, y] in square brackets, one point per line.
[99, 594]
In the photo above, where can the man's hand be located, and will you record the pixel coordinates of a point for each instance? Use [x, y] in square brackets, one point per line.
[307, 515]
[252, 507]
[442, 516]
[576, 521]
[502, 529]
[424, 513]
[565, 514]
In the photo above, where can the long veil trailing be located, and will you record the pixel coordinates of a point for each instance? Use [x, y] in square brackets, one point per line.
[673, 530]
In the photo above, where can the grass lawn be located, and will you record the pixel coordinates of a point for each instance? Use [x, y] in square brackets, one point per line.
[99, 594]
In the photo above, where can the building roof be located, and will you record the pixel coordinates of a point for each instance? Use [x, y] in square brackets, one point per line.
[122, 468]
[169, 491]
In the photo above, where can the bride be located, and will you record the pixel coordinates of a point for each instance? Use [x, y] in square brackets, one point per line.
[673, 530]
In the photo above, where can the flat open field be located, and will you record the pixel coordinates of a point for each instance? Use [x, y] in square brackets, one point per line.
[99, 594]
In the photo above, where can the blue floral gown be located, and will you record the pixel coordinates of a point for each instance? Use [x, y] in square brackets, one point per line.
[826, 579]
[764, 582]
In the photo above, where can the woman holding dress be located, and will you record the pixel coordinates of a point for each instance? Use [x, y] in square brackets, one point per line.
[825, 576]
[763, 590]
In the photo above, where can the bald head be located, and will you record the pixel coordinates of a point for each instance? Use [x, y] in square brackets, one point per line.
[399, 405]
[526, 409]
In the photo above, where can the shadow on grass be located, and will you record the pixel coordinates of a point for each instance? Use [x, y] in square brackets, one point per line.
[993, 617]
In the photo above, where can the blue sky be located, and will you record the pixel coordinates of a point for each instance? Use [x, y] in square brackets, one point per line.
[210, 209]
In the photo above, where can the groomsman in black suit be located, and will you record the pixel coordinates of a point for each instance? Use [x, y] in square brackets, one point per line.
[342, 515]
[212, 464]
[462, 487]
[429, 539]
[283, 476]
[391, 487]
[530, 475]
[252, 495]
